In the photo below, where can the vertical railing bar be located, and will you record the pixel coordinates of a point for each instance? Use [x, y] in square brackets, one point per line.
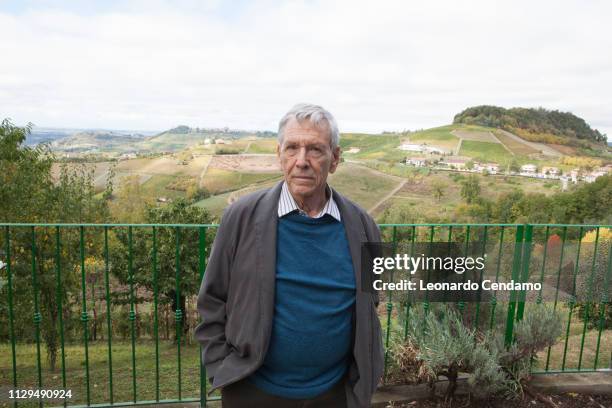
[7, 233]
[132, 316]
[155, 313]
[494, 297]
[603, 304]
[60, 309]
[525, 259]
[37, 315]
[84, 315]
[572, 301]
[426, 302]
[448, 248]
[201, 269]
[178, 311]
[408, 301]
[461, 303]
[389, 308]
[539, 299]
[109, 326]
[557, 287]
[585, 317]
[483, 253]
[516, 264]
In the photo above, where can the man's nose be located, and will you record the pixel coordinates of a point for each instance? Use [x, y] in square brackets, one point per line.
[301, 159]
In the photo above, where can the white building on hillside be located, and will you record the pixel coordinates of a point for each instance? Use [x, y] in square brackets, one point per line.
[592, 176]
[550, 172]
[418, 161]
[455, 163]
[491, 168]
[574, 175]
[528, 169]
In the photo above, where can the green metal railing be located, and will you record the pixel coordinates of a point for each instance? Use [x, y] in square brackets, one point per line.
[52, 270]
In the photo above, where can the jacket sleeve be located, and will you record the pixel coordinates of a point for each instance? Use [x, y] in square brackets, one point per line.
[212, 298]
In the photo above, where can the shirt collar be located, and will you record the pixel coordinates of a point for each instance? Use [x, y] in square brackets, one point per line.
[287, 204]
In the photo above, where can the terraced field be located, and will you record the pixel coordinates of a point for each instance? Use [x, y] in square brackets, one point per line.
[438, 137]
[361, 184]
[256, 163]
[477, 136]
[514, 145]
[164, 165]
[155, 187]
[485, 151]
[262, 146]
[218, 180]
[373, 147]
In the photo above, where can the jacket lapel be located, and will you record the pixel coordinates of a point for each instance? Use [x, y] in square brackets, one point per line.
[266, 220]
[354, 234]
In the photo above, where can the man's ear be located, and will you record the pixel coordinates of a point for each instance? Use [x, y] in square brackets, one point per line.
[280, 162]
[336, 152]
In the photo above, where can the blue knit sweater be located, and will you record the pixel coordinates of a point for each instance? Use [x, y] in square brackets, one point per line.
[315, 292]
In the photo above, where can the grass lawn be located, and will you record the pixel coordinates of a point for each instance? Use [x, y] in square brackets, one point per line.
[362, 185]
[99, 370]
[262, 146]
[373, 147]
[485, 152]
[218, 181]
[214, 204]
[156, 187]
[440, 137]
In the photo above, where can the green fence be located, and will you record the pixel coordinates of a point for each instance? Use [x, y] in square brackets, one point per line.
[108, 311]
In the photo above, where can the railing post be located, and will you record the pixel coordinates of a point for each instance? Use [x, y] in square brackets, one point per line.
[84, 315]
[37, 315]
[109, 327]
[7, 234]
[516, 265]
[60, 308]
[201, 269]
[526, 258]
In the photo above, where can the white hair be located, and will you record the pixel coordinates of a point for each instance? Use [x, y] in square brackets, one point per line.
[317, 116]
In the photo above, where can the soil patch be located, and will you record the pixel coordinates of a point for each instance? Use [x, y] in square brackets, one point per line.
[264, 163]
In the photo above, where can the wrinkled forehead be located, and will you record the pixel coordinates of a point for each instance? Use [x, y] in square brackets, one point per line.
[307, 132]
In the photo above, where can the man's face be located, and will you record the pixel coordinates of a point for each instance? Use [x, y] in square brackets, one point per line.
[306, 158]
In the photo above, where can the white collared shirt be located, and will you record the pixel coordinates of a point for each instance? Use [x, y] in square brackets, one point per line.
[287, 204]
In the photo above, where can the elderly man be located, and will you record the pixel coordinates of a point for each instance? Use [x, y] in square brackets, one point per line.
[285, 320]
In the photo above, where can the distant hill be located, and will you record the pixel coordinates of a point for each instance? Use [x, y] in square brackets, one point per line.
[227, 132]
[536, 125]
[95, 141]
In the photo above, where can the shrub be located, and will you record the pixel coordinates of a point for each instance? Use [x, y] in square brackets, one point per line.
[438, 343]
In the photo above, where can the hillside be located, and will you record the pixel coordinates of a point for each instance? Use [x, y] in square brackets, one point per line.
[536, 125]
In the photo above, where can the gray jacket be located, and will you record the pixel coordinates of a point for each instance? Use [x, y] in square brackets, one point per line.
[236, 298]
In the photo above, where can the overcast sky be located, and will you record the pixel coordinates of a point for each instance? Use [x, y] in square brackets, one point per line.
[376, 65]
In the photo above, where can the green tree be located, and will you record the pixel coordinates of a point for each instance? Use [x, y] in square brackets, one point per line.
[470, 189]
[439, 188]
[168, 241]
[29, 192]
[130, 203]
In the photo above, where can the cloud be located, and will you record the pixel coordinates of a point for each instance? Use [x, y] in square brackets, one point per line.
[377, 66]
